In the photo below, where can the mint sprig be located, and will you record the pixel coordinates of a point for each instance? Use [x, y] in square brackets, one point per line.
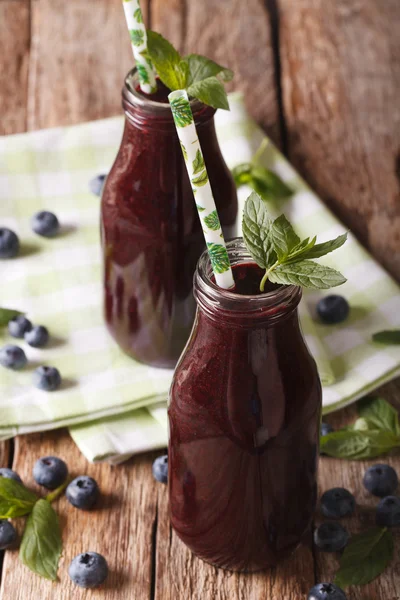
[200, 76]
[41, 543]
[275, 247]
[366, 556]
[375, 433]
[265, 182]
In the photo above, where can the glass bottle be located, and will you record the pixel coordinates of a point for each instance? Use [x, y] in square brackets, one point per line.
[244, 416]
[151, 233]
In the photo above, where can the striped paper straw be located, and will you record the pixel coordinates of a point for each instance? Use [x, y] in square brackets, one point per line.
[137, 31]
[198, 176]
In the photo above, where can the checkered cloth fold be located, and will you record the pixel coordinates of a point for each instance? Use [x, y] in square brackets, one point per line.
[114, 406]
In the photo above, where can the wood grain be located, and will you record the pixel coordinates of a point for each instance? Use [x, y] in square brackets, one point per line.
[340, 81]
[120, 528]
[349, 474]
[341, 87]
[234, 33]
[14, 53]
[80, 55]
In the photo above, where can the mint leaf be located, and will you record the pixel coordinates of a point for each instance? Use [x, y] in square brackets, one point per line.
[137, 36]
[366, 556]
[219, 257]
[194, 73]
[380, 414]
[41, 543]
[256, 226]
[199, 208]
[201, 68]
[6, 314]
[306, 273]
[358, 444]
[267, 183]
[321, 249]
[181, 111]
[283, 237]
[212, 221]
[388, 336]
[172, 70]
[201, 179]
[209, 91]
[242, 174]
[301, 250]
[138, 15]
[198, 163]
[15, 499]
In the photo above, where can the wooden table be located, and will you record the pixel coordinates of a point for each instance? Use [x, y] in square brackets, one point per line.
[323, 78]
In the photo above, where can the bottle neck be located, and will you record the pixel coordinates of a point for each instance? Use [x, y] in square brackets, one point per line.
[145, 113]
[238, 310]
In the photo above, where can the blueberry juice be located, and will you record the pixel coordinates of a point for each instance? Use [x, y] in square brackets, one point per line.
[244, 413]
[150, 229]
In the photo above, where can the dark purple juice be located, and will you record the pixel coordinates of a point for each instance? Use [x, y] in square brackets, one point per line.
[244, 419]
[151, 232]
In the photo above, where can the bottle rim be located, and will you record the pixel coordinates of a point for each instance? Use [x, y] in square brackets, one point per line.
[219, 303]
[134, 98]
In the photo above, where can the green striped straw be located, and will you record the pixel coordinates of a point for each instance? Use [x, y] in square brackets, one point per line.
[137, 31]
[198, 176]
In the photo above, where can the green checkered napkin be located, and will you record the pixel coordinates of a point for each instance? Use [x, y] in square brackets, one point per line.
[112, 403]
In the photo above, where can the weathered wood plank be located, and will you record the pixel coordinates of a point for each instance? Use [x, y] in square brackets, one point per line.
[120, 527]
[14, 53]
[349, 474]
[235, 34]
[80, 55]
[341, 86]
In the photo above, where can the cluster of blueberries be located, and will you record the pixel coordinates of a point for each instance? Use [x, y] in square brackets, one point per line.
[13, 357]
[88, 569]
[380, 480]
[46, 224]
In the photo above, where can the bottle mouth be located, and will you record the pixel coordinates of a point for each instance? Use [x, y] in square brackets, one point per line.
[133, 97]
[227, 304]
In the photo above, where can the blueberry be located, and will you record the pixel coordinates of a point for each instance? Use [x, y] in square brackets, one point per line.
[325, 429]
[160, 469]
[331, 537]
[337, 503]
[388, 512]
[9, 243]
[326, 591]
[12, 357]
[88, 570]
[8, 535]
[381, 480]
[333, 309]
[10, 474]
[82, 492]
[50, 472]
[47, 378]
[45, 223]
[96, 184]
[37, 337]
[18, 326]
